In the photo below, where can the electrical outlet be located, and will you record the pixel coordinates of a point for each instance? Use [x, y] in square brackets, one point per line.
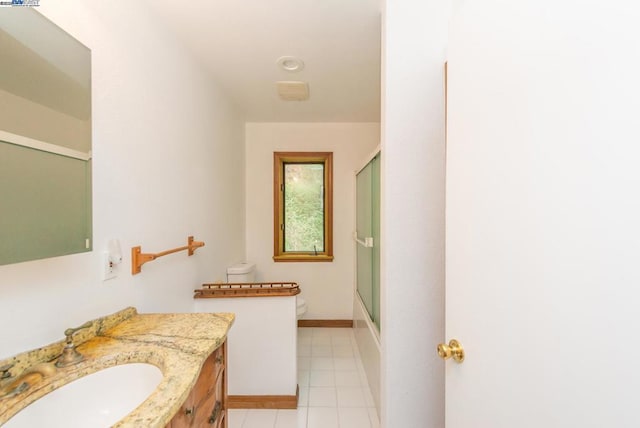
[110, 270]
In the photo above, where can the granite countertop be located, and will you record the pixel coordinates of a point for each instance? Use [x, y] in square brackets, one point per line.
[177, 344]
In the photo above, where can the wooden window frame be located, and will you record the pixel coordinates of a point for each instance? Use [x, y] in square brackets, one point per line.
[279, 160]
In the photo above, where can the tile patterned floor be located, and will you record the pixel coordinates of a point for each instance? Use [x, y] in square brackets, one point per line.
[333, 387]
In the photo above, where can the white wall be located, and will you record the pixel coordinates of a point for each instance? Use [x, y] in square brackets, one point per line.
[262, 344]
[412, 286]
[168, 163]
[327, 287]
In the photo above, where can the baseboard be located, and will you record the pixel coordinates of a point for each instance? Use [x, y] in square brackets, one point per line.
[326, 323]
[263, 401]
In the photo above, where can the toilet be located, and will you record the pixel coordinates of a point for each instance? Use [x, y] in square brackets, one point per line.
[241, 272]
[301, 307]
[246, 272]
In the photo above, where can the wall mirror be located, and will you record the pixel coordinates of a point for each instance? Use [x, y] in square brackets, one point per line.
[45, 139]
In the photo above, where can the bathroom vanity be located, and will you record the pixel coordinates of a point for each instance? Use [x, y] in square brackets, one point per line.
[189, 349]
[207, 403]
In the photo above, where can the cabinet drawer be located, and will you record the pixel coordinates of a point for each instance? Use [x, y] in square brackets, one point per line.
[211, 411]
[184, 417]
[206, 404]
[207, 380]
[219, 356]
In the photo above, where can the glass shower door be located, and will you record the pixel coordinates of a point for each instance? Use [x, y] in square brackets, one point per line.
[368, 237]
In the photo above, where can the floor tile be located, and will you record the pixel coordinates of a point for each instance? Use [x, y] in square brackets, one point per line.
[236, 417]
[373, 417]
[291, 418]
[303, 377]
[322, 378]
[304, 350]
[320, 396]
[260, 418]
[349, 396]
[363, 377]
[322, 417]
[322, 332]
[368, 398]
[342, 351]
[304, 363]
[342, 332]
[304, 340]
[321, 350]
[305, 332]
[321, 363]
[341, 341]
[321, 340]
[354, 418]
[333, 388]
[344, 363]
[348, 378]
[303, 396]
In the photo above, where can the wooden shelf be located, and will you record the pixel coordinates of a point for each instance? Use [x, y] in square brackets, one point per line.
[248, 289]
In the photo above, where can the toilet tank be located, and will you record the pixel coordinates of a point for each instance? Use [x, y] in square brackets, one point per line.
[241, 272]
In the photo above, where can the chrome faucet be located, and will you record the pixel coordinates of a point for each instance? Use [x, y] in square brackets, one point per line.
[70, 354]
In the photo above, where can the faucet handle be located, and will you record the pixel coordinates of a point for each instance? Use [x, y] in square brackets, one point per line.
[69, 354]
[4, 370]
[71, 331]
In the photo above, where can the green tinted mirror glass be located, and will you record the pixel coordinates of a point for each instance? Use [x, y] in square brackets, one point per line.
[45, 139]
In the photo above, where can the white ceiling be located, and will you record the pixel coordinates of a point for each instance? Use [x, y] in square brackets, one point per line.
[239, 41]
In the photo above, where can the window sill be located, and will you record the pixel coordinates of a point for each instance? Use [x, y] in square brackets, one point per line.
[303, 258]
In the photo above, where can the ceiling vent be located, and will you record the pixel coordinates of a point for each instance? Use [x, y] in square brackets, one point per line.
[293, 90]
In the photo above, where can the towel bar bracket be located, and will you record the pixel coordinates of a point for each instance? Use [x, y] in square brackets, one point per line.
[138, 258]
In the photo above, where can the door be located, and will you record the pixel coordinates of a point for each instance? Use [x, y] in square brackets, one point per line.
[543, 214]
[368, 237]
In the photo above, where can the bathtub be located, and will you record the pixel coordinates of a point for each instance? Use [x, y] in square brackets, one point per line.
[368, 340]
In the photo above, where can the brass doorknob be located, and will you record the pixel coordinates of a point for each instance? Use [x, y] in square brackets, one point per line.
[453, 349]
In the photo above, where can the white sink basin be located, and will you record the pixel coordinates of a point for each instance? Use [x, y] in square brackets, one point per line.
[97, 400]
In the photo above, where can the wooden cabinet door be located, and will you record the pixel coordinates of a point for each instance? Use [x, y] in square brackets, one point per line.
[206, 404]
[212, 410]
[185, 415]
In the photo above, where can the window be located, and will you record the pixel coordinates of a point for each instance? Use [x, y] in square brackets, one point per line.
[303, 207]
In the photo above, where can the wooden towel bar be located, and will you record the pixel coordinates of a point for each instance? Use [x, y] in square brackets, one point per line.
[138, 258]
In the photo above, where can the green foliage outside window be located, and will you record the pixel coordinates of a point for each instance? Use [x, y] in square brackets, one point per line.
[303, 207]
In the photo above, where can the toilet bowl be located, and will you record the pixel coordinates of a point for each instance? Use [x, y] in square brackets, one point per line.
[241, 273]
[301, 307]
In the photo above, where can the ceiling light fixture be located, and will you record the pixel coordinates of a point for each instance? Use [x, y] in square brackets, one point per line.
[290, 63]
